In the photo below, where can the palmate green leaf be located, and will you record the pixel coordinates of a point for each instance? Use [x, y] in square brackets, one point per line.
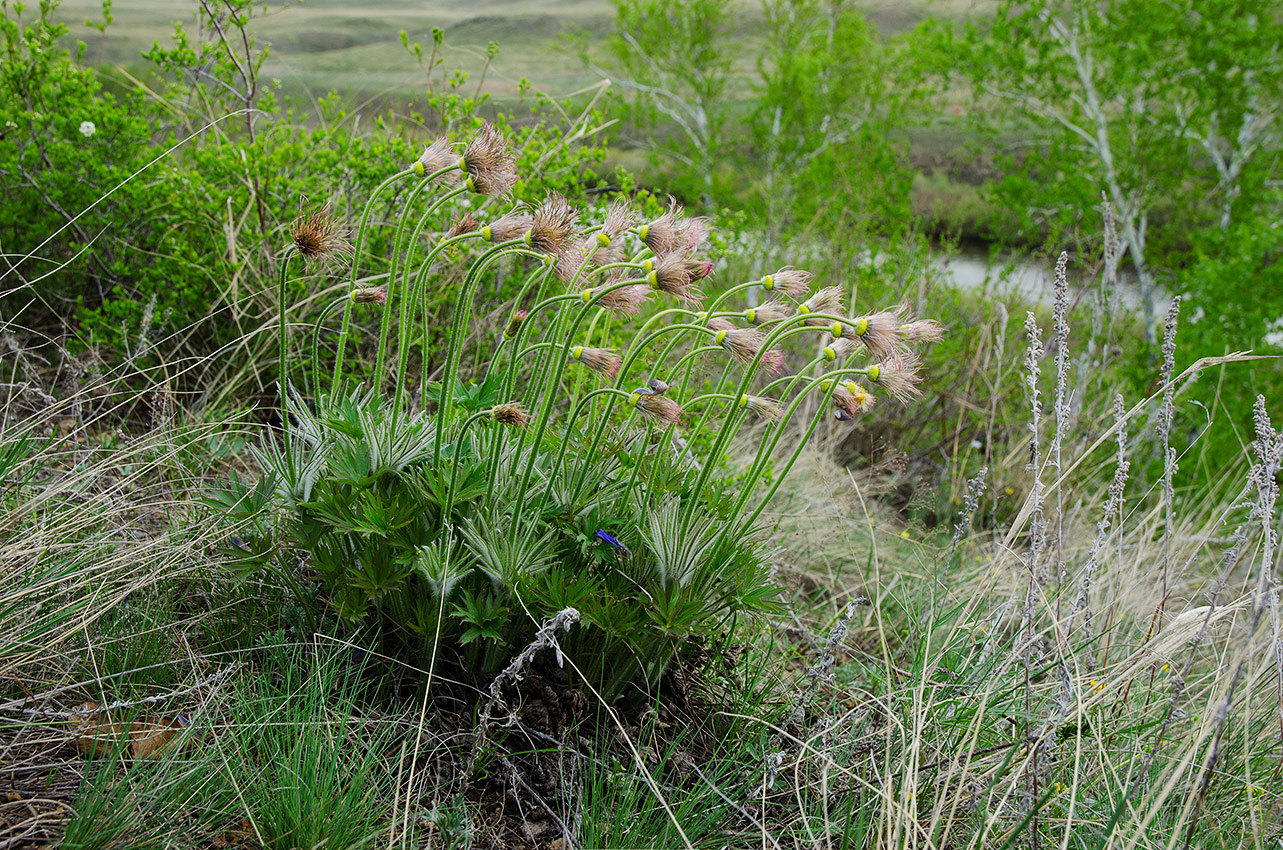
[508, 549]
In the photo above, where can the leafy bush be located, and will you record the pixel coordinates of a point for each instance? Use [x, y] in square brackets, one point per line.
[492, 504]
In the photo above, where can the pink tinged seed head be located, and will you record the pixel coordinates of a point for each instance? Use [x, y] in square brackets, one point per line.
[603, 361]
[620, 216]
[922, 330]
[463, 223]
[671, 232]
[626, 299]
[880, 333]
[743, 344]
[489, 163]
[790, 281]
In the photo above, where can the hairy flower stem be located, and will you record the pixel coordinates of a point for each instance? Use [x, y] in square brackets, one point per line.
[553, 382]
[411, 295]
[316, 346]
[731, 424]
[356, 248]
[462, 312]
[394, 271]
[282, 374]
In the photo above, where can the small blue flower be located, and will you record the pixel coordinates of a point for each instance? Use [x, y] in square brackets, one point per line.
[607, 537]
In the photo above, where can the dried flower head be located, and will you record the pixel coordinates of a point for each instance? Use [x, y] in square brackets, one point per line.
[658, 386]
[370, 295]
[826, 300]
[671, 232]
[553, 226]
[767, 408]
[438, 156]
[573, 262]
[463, 223]
[626, 299]
[899, 376]
[850, 398]
[515, 321]
[743, 344]
[922, 330]
[620, 216]
[671, 275]
[603, 361]
[512, 225]
[792, 282]
[769, 313]
[657, 408]
[510, 413]
[316, 236]
[880, 332]
[491, 167]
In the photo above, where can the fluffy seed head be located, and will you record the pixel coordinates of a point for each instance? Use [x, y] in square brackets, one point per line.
[316, 236]
[899, 376]
[743, 344]
[463, 223]
[922, 330]
[658, 408]
[603, 361]
[769, 313]
[880, 331]
[671, 275]
[370, 295]
[837, 349]
[513, 225]
[626, 299]
[792, 282]
[767, 408]
[826, 300]
[553, 226]
[619, 217]
[438, 156]
[489, 163]
[510, 413]
[672, 232]
[850, 398]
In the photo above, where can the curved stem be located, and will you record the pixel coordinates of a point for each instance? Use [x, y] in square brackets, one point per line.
[282, 366]
[316, 346]
[356, 255]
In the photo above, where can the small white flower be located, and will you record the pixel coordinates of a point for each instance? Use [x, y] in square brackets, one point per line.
[87, 128]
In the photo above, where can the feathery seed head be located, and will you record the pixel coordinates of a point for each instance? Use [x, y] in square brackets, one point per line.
[826, 300]
[507, 227]
[553, 225]
[922, 330]
[672, 232]
[743, 344]
[767, 408]
[619, 217]
[836, 349]
[438, 156]
[463, 223]
[316, 236]
[850, 398]
[769, 313]
[603, 361]
[792, 282]
[880, 332]
[899, 375]
[370, 295]
[489, 163]
[656, 407]
[669, 274]
[510, 413]
[626, 299]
